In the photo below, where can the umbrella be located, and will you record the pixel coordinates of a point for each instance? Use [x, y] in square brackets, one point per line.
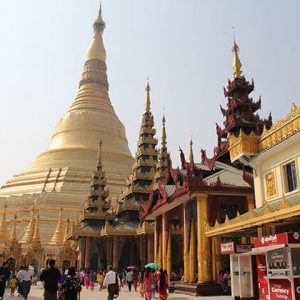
[131, 268]
[152, 266]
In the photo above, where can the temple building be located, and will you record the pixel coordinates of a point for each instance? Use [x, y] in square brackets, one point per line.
[60, 176]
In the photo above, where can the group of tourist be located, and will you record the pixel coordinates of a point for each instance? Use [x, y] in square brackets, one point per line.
[67, 284]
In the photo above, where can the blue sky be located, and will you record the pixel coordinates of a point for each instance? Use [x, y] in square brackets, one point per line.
[183, 46]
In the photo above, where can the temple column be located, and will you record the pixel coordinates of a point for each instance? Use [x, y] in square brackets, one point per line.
[250, 202]
[108, 250]
[155, 242]
[164, 241]
[142, 240]
[150, 249]
[116, 251]
[192, 255]
[159, 256]
[132, 252]
[87, 261]
[186, 270]
[169, 252]
[203, 251]
[81, 258]
[216, 256]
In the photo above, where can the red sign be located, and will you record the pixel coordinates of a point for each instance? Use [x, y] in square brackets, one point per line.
[263, 286]
[227, 248]
[297, 288]
[276, 239]
[280, 289]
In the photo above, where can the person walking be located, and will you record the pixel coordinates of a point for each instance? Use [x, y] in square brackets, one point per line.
[4, 275]
[148, 282]
[112, 282]
[163, 285]
[50, 277]
[13, 285]
[129, 279]
[92, 280]
[26, 283]
[100, 279]
[71, 286]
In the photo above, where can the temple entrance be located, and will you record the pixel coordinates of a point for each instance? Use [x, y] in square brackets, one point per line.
[129, 254]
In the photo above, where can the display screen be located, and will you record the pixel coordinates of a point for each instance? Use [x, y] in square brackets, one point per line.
[278, 259]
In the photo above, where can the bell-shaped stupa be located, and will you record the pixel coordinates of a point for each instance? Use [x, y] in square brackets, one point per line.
[60, 176]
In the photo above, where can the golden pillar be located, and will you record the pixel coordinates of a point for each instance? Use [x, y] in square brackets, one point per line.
[216, 256]
[116, 251]
[169, 252]
[159, 251]
[186, 265]
[87, 260]
[192, 255]
[203, 249]
[164, 241]
[155, 242]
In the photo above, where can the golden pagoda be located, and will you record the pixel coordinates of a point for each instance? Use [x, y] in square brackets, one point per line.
[60, 176]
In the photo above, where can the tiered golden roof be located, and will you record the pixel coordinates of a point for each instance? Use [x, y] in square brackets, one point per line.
[4, 234]
[96, 205]
[143, 169]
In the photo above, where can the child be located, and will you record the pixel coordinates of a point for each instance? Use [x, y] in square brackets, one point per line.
[13, 285]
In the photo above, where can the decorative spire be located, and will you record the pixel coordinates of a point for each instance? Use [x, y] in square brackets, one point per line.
[29, 231]
[96, 49]
[191, 152]
[14, 238]
[36, 239]
[4, 234]
[237, 72]
[164, 135]
[67, 243]
[58, 236]
[148, 102]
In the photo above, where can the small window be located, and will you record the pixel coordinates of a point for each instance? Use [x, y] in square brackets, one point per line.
[291, 177]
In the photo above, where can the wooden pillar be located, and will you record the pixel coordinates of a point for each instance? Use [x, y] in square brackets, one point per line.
[159, 254]
[192, 255]
[164, 241]
[169, 252]
[142, 240]
[186, 265]
[87, 261]
[116, 252]
[216, 256]
[203, 243]
[250, 201]
[150, 249]
[81, 257]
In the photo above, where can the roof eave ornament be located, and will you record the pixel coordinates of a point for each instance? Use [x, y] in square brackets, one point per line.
[237, 71]
[148, 102]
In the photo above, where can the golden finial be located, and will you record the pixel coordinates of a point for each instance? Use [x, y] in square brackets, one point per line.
[148, 103]
[237, 72]
[99, 157]
[164, 135]
[191, 152]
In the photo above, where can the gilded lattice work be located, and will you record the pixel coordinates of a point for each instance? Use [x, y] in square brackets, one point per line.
[270, 182]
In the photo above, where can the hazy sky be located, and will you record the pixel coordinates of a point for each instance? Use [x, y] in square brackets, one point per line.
[184, 46]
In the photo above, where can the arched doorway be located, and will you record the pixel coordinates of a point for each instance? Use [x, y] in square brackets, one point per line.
[129, 254]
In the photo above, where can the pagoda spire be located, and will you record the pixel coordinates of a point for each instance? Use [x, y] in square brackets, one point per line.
[143, 170]
[162, 160]
[29, 231]
[14, 238]
[58, 236]
[96, 205]
[237, 72]
[191, 152]
[67, 243]
[4, 234]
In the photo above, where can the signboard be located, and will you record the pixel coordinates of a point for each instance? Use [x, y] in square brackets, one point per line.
[227, 248]
[297, 288]
[278, 259]
[277, 239]
[280, 289]
[263, 286]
